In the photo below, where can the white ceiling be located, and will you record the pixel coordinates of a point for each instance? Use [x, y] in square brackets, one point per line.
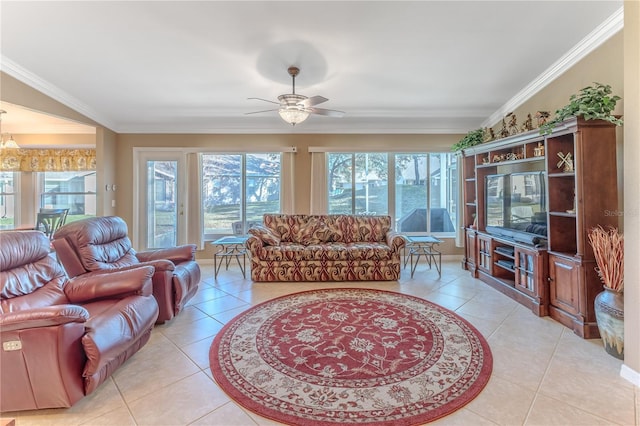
[398, 67]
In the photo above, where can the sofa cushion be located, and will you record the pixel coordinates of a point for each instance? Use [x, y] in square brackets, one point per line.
[326, 252]
[265, 234]
[350, 228]
[314, 231]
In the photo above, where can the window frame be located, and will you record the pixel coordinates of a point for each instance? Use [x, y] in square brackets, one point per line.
[41, 192]
[243, 188]
[392, 182]
[16, 194]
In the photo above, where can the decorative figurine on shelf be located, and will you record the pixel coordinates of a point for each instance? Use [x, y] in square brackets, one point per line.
[513, 124]
[488, 134]
[485, 160]
[511, 156]
[528, 124]
[503, 132]
[542, 117]
[566, 162]
[539, 150]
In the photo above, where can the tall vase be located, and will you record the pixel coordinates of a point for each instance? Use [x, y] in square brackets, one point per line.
[609, 308]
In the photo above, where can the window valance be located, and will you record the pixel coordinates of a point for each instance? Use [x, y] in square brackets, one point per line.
[47, 160]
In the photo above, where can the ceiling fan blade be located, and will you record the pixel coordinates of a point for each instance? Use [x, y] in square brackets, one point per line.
[314, 100]
[327, 112]
[258, 112]
[265, 100]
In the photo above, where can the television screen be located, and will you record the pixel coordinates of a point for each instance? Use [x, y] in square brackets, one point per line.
[517, 201]
[527, 211]
[495, 199]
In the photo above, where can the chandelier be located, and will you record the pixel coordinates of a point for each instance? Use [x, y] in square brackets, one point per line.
[9, 143]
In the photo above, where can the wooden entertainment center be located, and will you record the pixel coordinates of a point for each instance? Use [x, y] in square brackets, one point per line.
[554, 274]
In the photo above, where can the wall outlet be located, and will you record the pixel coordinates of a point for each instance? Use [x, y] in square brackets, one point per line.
[12, 345]
[113, 203]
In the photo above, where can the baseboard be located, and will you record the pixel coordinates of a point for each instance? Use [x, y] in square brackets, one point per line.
[630, 375]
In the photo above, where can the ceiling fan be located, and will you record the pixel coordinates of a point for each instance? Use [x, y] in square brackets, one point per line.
[294, 108]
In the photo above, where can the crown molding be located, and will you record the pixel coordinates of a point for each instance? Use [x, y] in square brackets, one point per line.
[30, 79]
[602, 33]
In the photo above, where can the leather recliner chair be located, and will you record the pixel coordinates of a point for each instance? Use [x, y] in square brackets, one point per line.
[96, 244]
[62, 338]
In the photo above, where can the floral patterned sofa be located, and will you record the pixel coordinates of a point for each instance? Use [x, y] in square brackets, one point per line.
[324, 248]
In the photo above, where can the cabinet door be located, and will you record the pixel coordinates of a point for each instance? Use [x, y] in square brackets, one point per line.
[526, 270]
[484, 254]
[471, 249]
[563, 284]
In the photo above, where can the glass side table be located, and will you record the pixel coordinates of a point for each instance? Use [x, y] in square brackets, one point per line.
[422, 245]
[227, 248]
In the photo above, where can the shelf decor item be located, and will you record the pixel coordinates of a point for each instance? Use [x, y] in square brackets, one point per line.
[608, 248]
[566, 162]
[591, 103]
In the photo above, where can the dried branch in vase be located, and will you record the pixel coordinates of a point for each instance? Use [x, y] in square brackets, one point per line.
[608, 248]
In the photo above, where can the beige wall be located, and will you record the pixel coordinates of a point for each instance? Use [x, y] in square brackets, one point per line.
[106, 203]
[604, 65]
[632, 197]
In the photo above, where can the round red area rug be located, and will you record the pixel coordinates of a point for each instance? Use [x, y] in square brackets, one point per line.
[335, 356]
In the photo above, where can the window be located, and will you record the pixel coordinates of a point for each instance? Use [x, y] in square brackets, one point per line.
[238, 189]
[426, 183]
[358, 183]
[421, 194]
[75, 191]
[8, 199]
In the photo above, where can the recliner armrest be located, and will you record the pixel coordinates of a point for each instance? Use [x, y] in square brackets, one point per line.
[43, 317]
[159, 265]
[174, 254]
[114, 284]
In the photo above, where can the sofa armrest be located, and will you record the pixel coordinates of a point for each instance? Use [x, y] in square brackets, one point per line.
[174, 254]
[396, 241]
[253, 244]
[114, 284]
[42, 317]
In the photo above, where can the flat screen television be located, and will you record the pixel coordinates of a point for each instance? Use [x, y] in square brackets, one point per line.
[516, 203]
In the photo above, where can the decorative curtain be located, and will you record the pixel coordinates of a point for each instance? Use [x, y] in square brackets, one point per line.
[319, 202]
[287, 188]
[47, 160]
[460, 201]
[195, 224]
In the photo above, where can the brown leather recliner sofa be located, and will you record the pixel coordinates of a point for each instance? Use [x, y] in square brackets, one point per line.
[62, 338]
[99, 244]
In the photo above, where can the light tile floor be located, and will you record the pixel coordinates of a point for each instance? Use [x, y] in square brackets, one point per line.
[543, 374]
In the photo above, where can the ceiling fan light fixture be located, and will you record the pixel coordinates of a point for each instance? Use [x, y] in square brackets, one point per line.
[293, 114]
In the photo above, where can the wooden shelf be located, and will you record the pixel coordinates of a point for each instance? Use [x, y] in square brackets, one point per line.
[562, 175]
[557, 278]
[562, 214]
[510, 162]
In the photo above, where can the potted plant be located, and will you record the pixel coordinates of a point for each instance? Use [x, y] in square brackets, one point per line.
[474, 137]
[591, 103]
[608, 249]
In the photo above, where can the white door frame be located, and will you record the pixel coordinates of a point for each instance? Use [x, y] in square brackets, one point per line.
[140, 158]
